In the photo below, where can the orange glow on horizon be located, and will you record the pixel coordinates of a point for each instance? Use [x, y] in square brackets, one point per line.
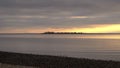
[103, 28]
[99, 29]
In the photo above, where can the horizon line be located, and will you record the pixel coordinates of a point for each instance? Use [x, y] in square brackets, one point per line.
[60, 32]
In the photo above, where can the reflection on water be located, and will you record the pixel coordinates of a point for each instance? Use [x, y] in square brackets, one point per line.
[117, 36]
[86, 46]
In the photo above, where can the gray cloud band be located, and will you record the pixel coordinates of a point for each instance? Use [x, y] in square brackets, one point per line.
[58, 13]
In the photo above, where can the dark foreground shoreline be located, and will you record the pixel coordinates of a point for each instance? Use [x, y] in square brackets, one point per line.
[19, 60]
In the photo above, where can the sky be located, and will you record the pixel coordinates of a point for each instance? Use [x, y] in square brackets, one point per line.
[37, 16]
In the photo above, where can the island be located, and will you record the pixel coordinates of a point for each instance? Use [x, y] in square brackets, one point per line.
[80, 33]
[62, 33]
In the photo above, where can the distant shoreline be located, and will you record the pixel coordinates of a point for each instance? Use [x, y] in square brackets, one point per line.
[16, 60]
[59, 33]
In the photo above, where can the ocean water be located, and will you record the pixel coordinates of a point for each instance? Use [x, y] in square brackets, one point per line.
[105, 47]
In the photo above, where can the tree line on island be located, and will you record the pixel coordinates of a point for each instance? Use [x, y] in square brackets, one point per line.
[62, 33]
[76, 33]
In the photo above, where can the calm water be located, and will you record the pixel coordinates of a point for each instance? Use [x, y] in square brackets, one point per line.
[106, 47]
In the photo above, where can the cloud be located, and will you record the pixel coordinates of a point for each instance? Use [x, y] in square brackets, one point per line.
[18, 14]
[79, 17]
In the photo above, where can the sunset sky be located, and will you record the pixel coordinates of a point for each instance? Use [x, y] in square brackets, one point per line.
[37, 16]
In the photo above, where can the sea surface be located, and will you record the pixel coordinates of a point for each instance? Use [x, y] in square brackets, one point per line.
[105, 47]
